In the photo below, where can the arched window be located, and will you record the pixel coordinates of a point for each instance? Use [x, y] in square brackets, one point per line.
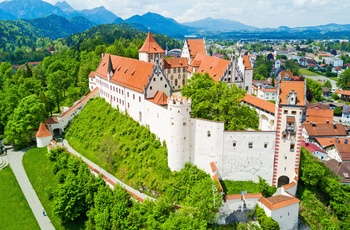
[175, 82]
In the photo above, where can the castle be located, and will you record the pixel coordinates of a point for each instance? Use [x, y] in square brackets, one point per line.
[145, 88]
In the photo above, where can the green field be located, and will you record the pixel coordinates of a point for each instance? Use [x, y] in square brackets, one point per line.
[39, 171]
[307, 72]
[15, 211]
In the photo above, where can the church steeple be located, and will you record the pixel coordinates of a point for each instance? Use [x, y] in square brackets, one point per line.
[150, 50]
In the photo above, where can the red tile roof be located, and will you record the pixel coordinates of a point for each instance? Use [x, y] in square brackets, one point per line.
[51, 120]
[340, 168]
[260, 103]
[343, 92]
[175, 63]
[278, 201]
[160, 98]
[92, 74]
[215, 67]
[43, 131]
[283, 74]
[325, 142]
[312, 147]
[319, 116]
[320, 130]
[344, 150]
[196, 46]
[150, 45]
[246, 62]
[288, 86]
[131, 73]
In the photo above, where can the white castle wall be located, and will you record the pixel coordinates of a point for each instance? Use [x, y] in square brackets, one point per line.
[156, 117]
[206, 143]
[240, 162]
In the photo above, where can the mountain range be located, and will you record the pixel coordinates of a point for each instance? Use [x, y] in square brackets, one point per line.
[209, 27]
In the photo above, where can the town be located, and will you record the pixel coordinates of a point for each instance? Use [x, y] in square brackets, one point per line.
[178, 133]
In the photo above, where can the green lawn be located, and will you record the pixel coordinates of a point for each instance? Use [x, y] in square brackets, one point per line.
[39, 170]
[15, 211]
[334, 78]
[307, 72]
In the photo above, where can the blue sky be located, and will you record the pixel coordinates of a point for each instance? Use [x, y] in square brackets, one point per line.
[259, 13]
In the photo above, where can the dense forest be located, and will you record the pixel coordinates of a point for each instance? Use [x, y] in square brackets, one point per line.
[61, 77]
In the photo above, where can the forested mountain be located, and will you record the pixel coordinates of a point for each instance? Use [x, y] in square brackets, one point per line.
[159, 24]
[100, 15]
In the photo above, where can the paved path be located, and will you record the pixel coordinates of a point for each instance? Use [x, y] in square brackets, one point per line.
[15, 161]
[108, 175]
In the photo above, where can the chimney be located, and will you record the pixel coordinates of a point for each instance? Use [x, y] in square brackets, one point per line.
[334, 126]
[327, 121]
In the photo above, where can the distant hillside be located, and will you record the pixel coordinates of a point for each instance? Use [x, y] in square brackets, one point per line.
[54, 26]
[29, 9]
[159, 24]
[219, 24]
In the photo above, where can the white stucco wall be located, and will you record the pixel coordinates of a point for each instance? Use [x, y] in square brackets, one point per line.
[156, 117]
[287, 217]
[43, 141]
[240, 162]
[320, 155]
[334, 154]
[143, 56]
[158, 82]
[345, 118]
[204, 148]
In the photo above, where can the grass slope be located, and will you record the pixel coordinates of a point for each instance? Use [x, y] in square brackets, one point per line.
[15, 211]
[39, 171]
[307, 72]
[119, 144]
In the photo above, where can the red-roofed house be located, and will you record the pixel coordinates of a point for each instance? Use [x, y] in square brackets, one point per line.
[192, 47]
[283, 208]
[151, 51]
[315, 150]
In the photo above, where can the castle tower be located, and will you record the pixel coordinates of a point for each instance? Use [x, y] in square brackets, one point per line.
[150, 50]
[43, 136]
[290, 104]
[178, 141]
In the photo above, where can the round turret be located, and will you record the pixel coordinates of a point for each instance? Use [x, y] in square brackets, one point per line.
[178, 141]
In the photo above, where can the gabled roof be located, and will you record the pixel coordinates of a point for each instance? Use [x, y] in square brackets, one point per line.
[260, 103]
[92, 74]
[319, 116]
[196, 46]
[278, 201]
[160, 98]
[43, 131]
[51, 120]
[325, 142]
[344, 150]
[128, 72]
[317, 105]
[288, 86]
[215, 67]
[312, 147]
[150, 45]
[175, 62]
[324, 130]
[284, 74]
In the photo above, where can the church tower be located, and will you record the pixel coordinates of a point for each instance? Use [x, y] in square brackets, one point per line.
[151, 51]
[290, 104]
[178, 141]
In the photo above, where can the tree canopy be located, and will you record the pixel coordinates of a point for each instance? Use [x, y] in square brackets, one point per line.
[344, 80]
[219, 102]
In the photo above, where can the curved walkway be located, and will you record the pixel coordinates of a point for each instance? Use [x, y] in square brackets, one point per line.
[135, 193]
[15, 161]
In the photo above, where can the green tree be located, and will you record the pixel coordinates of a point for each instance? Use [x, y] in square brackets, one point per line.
[25, 119]
[344, 80]
[314, 90]
[55, 86]
[328, 84]
[293, 66]
[219, 102]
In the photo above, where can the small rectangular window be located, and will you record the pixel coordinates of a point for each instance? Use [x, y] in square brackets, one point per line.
[208, 133]
[294, 112]
[285, 111]
[250, 145]
[265, 145]
[234, 144]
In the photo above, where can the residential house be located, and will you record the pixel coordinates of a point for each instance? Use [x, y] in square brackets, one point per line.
[343, 94]
[345, 117]
[326, 92]
[329, 130]
[176, 70]
[315, 150]
[338, 148]
[342, 169]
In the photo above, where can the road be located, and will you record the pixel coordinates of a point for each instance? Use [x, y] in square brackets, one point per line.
[323, 79]
[15, 162]
[104, 172]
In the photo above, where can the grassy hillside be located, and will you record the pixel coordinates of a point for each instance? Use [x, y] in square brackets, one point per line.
[121, 145]
[44, 183]
[15, 211]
